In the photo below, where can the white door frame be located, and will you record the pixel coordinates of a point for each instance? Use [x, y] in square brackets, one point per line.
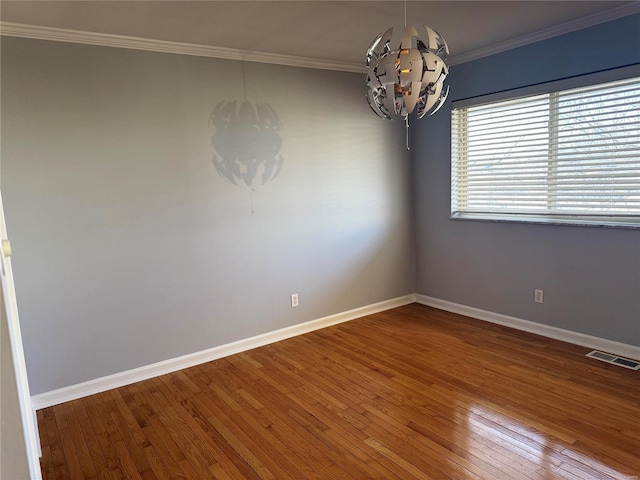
[29, 423]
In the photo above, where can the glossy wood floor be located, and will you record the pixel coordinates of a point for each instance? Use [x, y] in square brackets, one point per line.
[409, 393]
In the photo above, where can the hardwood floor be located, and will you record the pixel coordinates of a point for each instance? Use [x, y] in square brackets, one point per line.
[410, 393]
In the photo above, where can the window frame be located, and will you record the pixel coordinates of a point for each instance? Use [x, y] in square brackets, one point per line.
[547, 88]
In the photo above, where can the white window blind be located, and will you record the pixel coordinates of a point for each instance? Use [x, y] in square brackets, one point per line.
[570, 155]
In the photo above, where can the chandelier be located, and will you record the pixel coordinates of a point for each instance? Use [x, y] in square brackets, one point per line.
[409, 77]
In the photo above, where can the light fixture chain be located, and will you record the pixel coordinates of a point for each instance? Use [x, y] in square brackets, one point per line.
[405, 13]
[406, 122]
[244, 82]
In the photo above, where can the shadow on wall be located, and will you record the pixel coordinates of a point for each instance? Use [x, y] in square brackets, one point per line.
[246, 142]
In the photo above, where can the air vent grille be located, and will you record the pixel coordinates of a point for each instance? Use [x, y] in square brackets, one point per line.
[606, 357]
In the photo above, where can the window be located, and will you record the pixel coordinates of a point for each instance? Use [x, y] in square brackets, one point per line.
[550, 154]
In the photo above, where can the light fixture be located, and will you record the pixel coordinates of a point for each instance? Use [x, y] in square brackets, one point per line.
[409, 77]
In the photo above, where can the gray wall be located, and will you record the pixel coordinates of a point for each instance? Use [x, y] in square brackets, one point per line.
[13, 451]
[129, 247]
[590, 275]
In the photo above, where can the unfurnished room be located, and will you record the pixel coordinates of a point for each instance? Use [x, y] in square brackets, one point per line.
[320, 240]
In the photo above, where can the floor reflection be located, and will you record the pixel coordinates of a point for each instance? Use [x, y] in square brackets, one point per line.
[526, 448]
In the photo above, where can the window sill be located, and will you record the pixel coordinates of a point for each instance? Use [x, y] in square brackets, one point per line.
[607, 222]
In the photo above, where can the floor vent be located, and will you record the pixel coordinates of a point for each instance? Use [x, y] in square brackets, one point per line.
[606, 357]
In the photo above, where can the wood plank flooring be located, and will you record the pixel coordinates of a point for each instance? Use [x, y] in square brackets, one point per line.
[411, 393]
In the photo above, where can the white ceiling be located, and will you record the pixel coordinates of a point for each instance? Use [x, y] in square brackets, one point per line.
[337, 31]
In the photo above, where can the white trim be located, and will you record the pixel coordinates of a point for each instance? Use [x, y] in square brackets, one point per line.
[73, 392]
[12, 29]
[38, 32]
[29, 422]
[544, 34]
[609, 346]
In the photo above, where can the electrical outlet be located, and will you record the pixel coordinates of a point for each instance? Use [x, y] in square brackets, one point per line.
[294, 300]
[538, 296]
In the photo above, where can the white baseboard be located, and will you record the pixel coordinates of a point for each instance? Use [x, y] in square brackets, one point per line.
[73, 392]
[617, 348]
[98, 385]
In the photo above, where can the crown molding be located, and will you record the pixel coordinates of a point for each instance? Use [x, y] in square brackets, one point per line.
[568, 27]
[38, 32]
[11, 29]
